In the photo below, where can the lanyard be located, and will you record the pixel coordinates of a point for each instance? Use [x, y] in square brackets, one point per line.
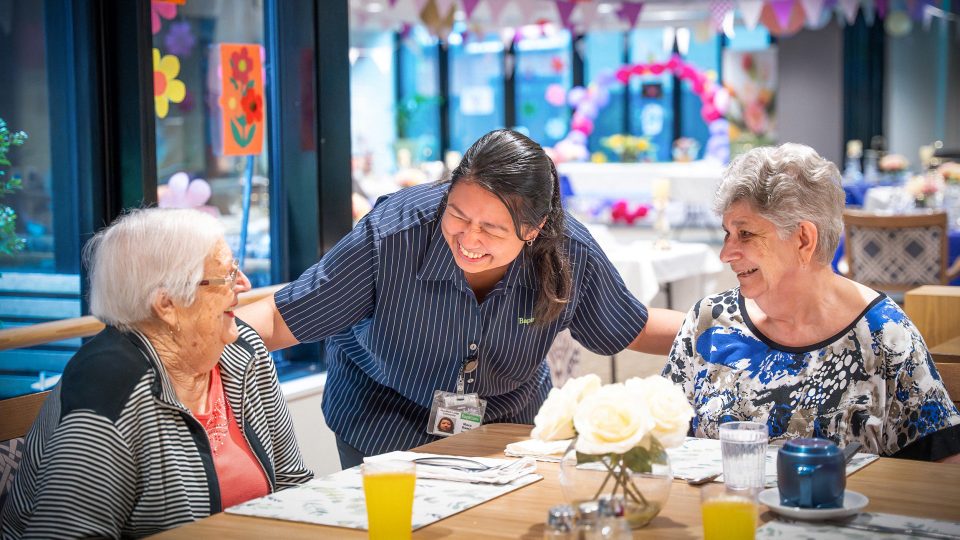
[469, 366]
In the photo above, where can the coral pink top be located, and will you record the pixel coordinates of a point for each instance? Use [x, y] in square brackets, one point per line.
[239, 472]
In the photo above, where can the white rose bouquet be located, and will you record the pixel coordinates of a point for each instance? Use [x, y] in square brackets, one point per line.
[625, 427]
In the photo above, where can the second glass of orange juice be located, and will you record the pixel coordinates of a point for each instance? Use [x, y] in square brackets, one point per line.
[388, 489]
[728, 514]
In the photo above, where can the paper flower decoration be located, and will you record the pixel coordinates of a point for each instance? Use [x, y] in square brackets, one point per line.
[160, 10]
[181, 192]
[252, 104]
[240, 66]
[166, 87]
[180, 39]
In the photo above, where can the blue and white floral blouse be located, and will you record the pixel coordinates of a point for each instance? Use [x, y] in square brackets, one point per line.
[873, 382]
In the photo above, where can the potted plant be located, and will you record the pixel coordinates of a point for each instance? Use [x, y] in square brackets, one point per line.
[9, 242]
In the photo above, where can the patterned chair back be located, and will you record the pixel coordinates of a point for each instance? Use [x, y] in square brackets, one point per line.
[896, 252]
[16, 417]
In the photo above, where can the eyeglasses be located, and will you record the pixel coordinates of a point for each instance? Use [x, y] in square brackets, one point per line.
[231, 277]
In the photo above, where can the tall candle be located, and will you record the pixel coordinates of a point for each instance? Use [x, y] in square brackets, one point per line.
[661, 190]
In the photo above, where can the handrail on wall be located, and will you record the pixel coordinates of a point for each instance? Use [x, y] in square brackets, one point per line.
[38, 334]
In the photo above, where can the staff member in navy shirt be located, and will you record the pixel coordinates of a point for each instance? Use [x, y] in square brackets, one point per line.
[477, 273]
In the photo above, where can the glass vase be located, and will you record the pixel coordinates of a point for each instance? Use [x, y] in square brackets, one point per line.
[641, 476]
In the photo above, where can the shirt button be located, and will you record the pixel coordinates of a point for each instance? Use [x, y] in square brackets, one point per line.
[473, 346]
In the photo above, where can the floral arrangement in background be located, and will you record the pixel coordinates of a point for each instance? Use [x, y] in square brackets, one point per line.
[893, 163]
[750, 81]
[623, 426]
[628, 148]
[950, 171]
[9, 242]
[685, 149]
[924, 187]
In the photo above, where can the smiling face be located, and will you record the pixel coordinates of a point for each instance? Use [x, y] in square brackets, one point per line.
[479, 230]
[762, 261]
[208, 325]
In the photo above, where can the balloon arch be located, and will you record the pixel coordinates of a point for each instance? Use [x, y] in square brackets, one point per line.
[587, 103]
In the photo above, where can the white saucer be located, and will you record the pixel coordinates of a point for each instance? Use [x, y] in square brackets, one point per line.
[853, 502]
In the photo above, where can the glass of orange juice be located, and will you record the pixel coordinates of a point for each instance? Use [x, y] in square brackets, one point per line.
[728, 514]
[388, 489]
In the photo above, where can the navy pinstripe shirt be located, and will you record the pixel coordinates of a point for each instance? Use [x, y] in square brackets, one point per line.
[399, 321]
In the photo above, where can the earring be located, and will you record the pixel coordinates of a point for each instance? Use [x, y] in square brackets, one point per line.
[530, 242]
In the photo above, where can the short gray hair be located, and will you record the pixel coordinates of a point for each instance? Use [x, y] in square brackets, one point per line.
[788, 184]
[143, 252]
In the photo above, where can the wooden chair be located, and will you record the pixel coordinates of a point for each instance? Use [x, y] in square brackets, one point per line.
[950, 374]
[16, 416]
[897, 252]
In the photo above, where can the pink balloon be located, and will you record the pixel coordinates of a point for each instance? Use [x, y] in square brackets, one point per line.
[576, 95]
[687, 73]
[198, 193]
[656, 69]
[587, 109]
[556, 95]
[673, 63]
[623, 75]
[581, 123]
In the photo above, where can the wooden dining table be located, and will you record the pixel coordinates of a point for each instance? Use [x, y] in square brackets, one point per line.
[920, 489]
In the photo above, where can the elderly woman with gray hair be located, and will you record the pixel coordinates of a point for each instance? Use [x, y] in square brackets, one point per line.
[797, 347]
[171, 413]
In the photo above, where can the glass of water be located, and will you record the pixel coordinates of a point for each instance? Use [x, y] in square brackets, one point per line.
[744, 449]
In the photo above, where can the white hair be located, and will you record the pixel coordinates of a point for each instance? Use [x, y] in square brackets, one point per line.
[788, 184]
[146, 251]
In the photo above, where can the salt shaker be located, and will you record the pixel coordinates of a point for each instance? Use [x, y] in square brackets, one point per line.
[560, 524]
[588, 521]
[613, 525]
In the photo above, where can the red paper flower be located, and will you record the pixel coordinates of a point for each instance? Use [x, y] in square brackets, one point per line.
[240, 66]
[252, 104]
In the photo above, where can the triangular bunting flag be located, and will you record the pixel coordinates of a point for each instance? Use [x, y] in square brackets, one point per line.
[419, 5]
[813, 9]
[565, 9]
[750, 12]
[443, 7]
[392, 3]
[527, 11]
[630, 12]
[718, 10]
[496, 9]
[881, 6]
[588, 13]
[782, 9]
[469, 6]
[849, 8]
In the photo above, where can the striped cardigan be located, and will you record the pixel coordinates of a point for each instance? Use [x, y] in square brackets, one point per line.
[114, 453]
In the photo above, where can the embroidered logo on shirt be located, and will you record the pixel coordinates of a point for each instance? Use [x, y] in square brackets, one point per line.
[521, 320]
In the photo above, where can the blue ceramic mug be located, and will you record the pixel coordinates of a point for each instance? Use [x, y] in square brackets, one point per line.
[811, 473]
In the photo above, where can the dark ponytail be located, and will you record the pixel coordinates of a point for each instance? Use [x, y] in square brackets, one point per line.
[517, 170]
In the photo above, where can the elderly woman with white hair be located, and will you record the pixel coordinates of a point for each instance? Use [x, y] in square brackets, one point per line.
[171, 413]
[795, 346]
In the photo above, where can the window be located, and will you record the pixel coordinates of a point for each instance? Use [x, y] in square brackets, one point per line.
[605, 54]
[208, 113]
[540, 62]
[419, 101]
[476, 89]
[39, 281]
[651, 96]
